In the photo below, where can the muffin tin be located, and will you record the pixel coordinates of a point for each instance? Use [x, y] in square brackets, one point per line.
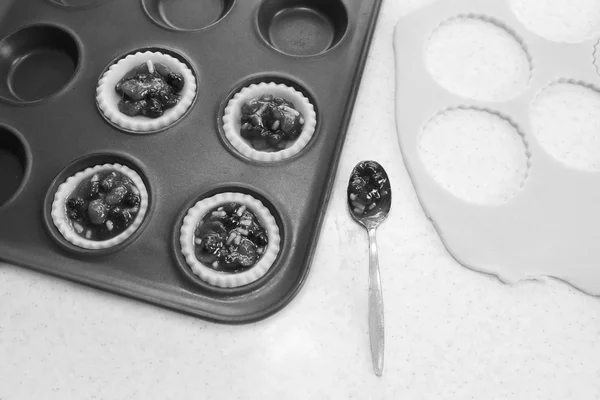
[52, 55]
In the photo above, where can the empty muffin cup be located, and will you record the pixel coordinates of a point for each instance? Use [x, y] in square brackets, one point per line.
[186, 15]
[36, 63]
[13, 164]
[302, 27]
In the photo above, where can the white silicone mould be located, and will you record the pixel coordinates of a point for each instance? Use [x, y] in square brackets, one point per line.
[550, 228]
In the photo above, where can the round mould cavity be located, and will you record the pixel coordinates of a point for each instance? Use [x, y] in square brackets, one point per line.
[477, 58]
[565, 118]
[302, 27]
[563, 21]
[78, 3]
[186, 15]
[477, 155]
[107, 98]
[225, 282]
[14, 164]
[63, 186]
[36, 62]
[232, 121]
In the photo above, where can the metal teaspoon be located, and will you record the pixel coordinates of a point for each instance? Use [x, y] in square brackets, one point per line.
[369, 200]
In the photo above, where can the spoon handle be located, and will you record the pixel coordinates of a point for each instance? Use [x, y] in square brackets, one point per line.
[376, 329]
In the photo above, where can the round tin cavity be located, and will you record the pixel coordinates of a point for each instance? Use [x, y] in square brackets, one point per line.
[13, 164]
[186, 15]
[254, 89]
[36, 62]
[107, 99]
[229, 284]
[302, 27]
[71, 177]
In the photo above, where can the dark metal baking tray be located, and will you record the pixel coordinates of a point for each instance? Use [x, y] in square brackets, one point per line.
[48, 41]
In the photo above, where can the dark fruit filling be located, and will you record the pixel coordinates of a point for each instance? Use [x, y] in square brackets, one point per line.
[103, 206]
[230, 239]
[270, 123]
[369, 188]
[149, 93]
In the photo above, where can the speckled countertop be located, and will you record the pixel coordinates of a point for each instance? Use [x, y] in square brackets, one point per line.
[451, 333]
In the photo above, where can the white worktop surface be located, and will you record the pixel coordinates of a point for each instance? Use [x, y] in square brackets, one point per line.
[451, 333]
